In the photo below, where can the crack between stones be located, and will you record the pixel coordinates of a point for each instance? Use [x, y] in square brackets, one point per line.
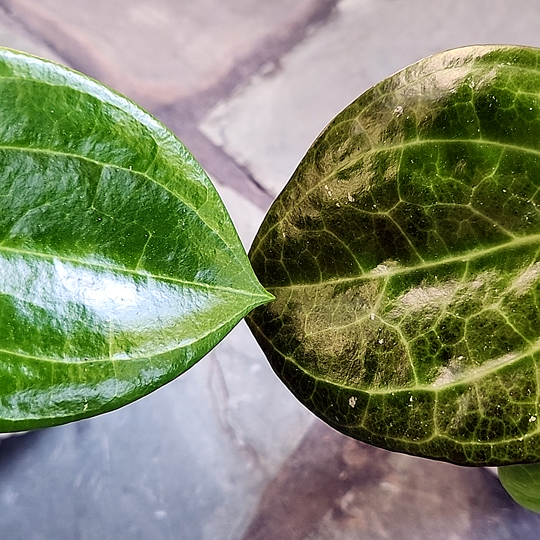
[219, 393]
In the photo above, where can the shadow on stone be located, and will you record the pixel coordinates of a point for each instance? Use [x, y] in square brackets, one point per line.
[14, 447]
[336, 488]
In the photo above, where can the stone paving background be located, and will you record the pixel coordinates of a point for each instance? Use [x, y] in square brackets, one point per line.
[225, 452]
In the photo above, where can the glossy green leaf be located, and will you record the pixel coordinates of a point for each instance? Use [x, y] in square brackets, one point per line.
[522, 482]
[119, 265]
[404, 255]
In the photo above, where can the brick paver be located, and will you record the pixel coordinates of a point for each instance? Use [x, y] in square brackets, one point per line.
[164, 51]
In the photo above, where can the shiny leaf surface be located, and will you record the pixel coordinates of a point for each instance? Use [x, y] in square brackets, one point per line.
[404, 255]
[119, 265]
[522, 482]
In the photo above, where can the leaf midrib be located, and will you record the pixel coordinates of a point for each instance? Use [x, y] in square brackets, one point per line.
[120, 269]
[396, 270]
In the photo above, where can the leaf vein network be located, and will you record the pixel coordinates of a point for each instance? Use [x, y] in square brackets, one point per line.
[389, 148]
[125, 169]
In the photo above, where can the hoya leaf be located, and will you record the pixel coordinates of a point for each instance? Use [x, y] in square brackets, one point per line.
[404, 255]
[522, 482]
[119, 265]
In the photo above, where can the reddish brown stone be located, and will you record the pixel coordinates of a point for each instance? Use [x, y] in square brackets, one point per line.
[163, 51]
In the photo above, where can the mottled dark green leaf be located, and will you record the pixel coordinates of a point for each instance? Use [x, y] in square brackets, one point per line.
[404, 255]
[119, 265]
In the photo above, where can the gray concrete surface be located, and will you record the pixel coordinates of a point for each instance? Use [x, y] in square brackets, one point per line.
[225, 452]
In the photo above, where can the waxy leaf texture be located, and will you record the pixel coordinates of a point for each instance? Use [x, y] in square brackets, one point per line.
[404, 255]
[119, 265]
[522, 483]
